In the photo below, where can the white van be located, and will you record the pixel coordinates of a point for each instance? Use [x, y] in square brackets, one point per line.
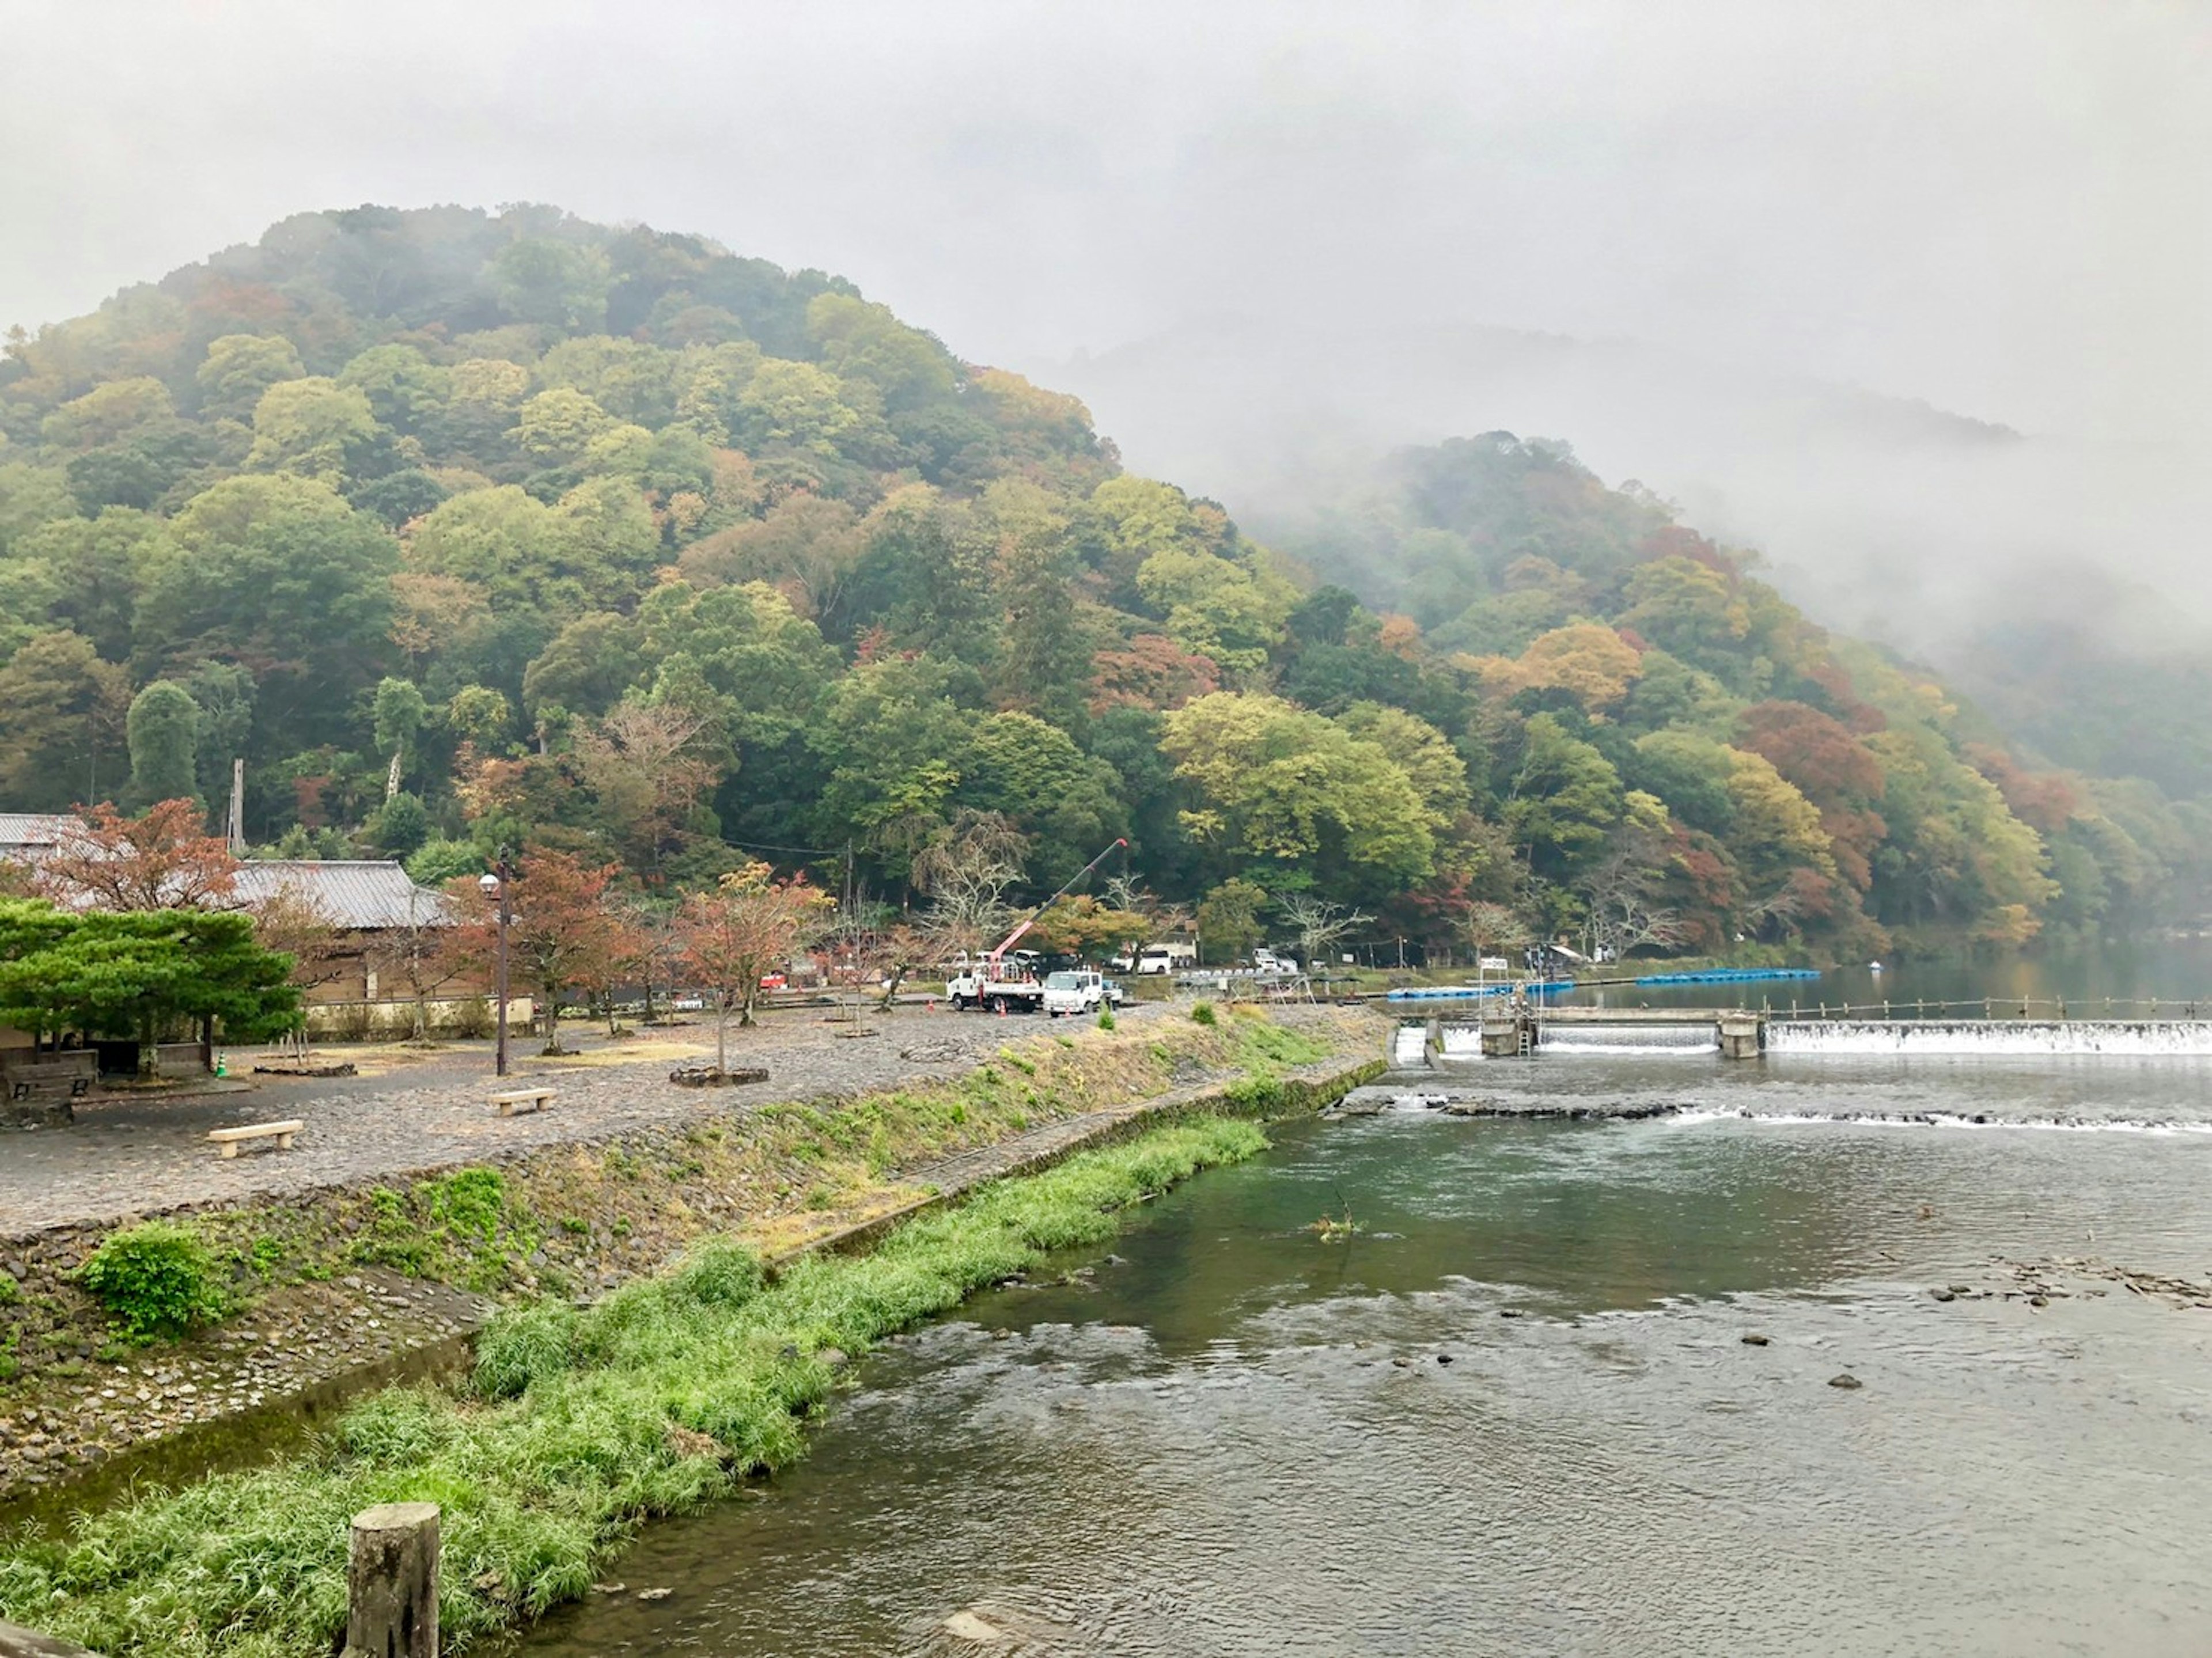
[1167, 958]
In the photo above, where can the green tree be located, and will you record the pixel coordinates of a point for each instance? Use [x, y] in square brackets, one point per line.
[313, 429]
[864, 341]
[1565, 798]
[280, 573]
[109, 413]
[65, 728]
[147, 973]
[1229, 919]
[164, 732]
[225, 693]
[1033, 774]
[399, 712]
[400, 826]
[238, 368]
[1277, 783]
[405, 390]
[562, 283]
[893, 746]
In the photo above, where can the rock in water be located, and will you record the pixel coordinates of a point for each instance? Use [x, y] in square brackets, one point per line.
[967, 1626]
[1944, 1294]
[1846, 1381]
[1753, 1340]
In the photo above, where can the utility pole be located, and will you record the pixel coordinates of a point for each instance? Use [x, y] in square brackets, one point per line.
[236, 827]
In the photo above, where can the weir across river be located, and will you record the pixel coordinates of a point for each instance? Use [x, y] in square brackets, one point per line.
[1510, 1031]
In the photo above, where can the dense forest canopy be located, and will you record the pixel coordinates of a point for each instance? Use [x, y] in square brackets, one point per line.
[468, 530]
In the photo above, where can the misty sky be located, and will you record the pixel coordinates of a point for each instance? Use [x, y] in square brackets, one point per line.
[2002, 209]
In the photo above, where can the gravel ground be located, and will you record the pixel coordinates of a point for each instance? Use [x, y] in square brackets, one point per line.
[124, 1158]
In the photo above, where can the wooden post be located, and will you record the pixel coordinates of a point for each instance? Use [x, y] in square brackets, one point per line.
[391, 1583]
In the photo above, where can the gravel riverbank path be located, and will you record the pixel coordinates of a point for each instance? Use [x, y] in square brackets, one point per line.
[127, 1157]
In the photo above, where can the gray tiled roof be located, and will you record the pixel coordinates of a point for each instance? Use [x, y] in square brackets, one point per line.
[348, 892]
[25, 830]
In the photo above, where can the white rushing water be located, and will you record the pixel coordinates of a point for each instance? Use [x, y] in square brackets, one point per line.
[1462, 1041]
[1409, 1049]
[1993, 1037]
[1615, 1040]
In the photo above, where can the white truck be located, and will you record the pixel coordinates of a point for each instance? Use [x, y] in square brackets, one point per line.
[987, 982]
[1168, 956]
[1074, 990]
[1266, 962]
[980, 988]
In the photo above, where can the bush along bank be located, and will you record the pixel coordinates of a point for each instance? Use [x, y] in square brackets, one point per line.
[578, 1423]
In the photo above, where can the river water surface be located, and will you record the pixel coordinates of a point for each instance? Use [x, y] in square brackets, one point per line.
[1514, 1412]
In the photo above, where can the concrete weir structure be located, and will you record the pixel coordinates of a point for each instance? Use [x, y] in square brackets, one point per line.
[1512, 1033]
[1508, 1031]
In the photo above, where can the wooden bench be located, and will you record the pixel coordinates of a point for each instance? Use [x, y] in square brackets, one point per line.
[513, 1100]
[51, 1088]
[231, 1139]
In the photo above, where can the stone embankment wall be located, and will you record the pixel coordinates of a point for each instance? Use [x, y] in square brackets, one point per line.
[328, 1282]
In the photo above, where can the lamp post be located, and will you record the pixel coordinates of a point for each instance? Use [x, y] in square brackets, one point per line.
[495, 883]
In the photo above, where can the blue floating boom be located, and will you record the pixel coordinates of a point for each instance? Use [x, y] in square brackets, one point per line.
[1730, 975]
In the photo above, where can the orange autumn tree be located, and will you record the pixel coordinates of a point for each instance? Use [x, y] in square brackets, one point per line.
[564, 924]
[163, 859]
[744, 929]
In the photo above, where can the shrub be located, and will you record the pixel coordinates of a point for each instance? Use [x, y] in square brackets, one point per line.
[518, 1347]
[11, 1291]
[159, 1278]
[720, 1273]
[1202, 1014]
[1105, 1018]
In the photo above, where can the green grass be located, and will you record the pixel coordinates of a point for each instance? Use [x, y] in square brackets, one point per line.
[580, 1425]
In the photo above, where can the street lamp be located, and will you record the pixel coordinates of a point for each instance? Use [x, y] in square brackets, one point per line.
[494, 884]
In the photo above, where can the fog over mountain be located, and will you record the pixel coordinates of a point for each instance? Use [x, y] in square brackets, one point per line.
[1885, 514]
[1911, 298]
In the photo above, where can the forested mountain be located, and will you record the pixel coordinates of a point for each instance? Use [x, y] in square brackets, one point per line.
[468, 531]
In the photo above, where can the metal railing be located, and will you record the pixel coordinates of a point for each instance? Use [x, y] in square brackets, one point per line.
[2054, 1009]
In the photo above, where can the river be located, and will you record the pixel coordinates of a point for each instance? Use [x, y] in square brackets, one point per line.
[1514, 1411]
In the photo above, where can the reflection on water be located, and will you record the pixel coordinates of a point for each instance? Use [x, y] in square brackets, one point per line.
[2175, 972]
[1236, 1438]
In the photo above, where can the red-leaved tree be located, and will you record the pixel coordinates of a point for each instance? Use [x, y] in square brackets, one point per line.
[165, 860]
[563, 922]
[747, 927]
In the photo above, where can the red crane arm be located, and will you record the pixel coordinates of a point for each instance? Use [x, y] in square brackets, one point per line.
[1073, 881]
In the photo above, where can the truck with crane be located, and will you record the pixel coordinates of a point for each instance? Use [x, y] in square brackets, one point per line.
[988, 984]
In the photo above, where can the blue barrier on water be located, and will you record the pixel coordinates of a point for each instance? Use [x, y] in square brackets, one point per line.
[1730, 975]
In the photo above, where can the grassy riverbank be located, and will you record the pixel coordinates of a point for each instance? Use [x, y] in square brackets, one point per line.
[581, 1423]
